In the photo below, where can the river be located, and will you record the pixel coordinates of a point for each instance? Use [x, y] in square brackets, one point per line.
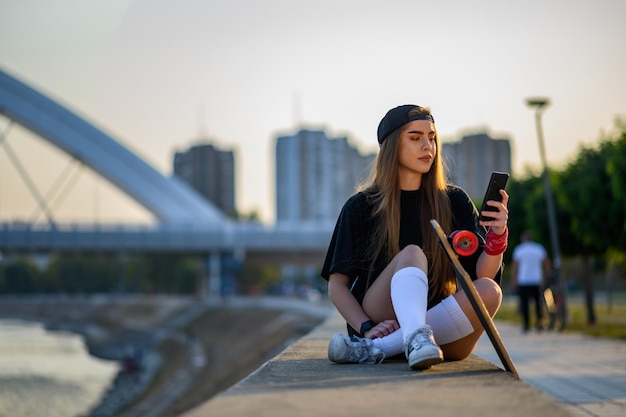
[51, 374]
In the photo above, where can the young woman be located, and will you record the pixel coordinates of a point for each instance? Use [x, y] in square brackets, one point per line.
[387, 275]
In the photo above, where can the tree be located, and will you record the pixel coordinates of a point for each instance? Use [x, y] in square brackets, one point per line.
[171, 273]
[82, 273]
[615, 151]
[590, 190]
[19, 277]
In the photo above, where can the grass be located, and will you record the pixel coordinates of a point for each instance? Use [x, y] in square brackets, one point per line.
[610, 323]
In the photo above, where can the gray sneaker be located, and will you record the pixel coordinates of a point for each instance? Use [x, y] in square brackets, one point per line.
[421, 350]
[343, 349]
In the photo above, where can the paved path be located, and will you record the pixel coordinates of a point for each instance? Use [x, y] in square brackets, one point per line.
[586, 374]
[302, 382]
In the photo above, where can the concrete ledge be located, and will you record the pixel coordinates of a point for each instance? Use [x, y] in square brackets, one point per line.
[301, 381]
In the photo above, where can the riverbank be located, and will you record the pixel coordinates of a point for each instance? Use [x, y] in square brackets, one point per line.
[189, 349]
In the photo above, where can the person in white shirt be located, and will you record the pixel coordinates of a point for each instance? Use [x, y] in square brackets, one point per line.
[530, 266]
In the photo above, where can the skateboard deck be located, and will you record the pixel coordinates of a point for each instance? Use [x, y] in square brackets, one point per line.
[477, 303]
[551, 308]
[548, 296]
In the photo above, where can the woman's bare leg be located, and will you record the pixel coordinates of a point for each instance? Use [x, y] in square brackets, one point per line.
[491, 294]
[377, 302]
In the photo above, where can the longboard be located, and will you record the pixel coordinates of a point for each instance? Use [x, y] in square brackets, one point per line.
[548, 296]
[551, 307]
[477, 303]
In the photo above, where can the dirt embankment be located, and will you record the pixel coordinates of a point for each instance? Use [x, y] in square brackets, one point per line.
[191, 350]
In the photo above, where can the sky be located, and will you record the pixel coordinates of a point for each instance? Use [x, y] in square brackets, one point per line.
[162, 75]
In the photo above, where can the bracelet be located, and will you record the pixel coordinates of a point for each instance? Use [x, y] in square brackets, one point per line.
[496, 244]
[365, 326]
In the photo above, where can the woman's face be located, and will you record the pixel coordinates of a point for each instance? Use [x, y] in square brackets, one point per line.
[417, 148]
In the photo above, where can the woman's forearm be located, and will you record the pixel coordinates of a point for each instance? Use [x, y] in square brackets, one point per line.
[488, 265]
[343, 300]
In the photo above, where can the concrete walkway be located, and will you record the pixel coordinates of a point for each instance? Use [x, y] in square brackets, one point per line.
[586, 374]
[301, 381]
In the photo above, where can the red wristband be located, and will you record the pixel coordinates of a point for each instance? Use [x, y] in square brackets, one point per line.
[496, 244]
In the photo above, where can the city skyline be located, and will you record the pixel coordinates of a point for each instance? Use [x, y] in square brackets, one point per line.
[310, 164]
[159, 75]
[211, 172]
[473, 158]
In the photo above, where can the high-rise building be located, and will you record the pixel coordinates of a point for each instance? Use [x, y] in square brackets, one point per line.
[211, 172]
[315, 175]
[472, 160]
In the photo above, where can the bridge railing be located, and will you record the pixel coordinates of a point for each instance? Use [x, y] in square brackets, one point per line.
[296, 237]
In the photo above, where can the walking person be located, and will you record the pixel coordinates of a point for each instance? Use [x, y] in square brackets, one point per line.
[530, 262]
[387, 275]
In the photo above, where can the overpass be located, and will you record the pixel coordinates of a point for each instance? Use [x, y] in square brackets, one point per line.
[303, 243]
[186, 221]
[169, 199]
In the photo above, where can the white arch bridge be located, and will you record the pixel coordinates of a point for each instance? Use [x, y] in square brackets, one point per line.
[186, 221]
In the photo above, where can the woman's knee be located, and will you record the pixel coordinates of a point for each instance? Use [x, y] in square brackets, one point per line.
[491, 294]
[411, 255]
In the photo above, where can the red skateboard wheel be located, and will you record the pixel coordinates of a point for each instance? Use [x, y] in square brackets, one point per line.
[464, 242]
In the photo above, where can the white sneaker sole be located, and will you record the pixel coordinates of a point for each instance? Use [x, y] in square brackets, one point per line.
[428, 356]
[337, 348]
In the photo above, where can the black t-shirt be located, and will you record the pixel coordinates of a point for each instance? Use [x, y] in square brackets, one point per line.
[348, 250]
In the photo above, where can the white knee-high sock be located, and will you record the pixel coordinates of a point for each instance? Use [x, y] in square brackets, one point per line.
[391, 345]
[409, 296]
[448, 321]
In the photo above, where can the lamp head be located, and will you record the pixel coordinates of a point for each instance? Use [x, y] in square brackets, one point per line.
[538, 102]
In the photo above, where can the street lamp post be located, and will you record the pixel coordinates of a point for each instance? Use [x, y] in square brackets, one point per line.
[539, 104]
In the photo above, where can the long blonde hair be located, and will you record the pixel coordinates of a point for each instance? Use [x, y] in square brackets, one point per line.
[384, 188]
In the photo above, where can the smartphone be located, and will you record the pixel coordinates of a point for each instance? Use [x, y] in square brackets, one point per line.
[497, 182]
